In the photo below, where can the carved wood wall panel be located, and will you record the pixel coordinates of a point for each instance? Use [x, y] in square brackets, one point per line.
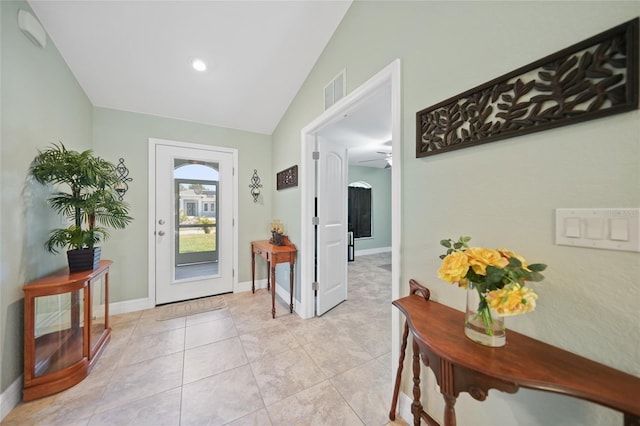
[591, 79]
[287, 178]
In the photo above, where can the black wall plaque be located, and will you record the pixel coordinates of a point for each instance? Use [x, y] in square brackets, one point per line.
[591, 79]
[287, 178]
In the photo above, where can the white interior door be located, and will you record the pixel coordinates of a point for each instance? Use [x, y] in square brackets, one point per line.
[193, 222]
[332, 225]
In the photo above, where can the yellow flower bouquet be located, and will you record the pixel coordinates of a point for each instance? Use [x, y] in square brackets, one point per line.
[498, 276]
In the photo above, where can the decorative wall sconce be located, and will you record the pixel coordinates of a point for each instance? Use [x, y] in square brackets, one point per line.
[123, 174]
[255, 186]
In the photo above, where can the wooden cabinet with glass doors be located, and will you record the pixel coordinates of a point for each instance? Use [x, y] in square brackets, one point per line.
[66, 325]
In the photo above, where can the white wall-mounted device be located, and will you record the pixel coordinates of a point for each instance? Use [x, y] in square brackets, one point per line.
[32, 28]
[609, 229]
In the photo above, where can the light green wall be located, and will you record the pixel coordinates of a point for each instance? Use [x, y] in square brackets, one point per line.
[41, 104]
[503, 194]
[380, 181]
[123, 134]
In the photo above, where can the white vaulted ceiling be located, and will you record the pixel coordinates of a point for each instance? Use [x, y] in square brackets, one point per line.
[136, 55]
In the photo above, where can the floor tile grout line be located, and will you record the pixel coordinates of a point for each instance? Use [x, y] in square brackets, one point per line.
[184, 355]
[355, 412]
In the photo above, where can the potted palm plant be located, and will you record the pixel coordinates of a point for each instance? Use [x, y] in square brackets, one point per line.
[90, 202]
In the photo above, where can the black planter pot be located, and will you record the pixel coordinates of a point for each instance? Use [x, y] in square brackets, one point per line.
[83, 259]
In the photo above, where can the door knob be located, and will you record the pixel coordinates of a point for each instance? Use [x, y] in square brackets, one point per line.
[161, 233]
[161, 221]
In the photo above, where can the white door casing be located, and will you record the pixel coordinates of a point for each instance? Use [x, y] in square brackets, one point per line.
[390, 75]
[332, 225]
[163, 287]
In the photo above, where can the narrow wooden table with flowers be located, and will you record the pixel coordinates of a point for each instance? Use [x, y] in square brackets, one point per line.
[446, 340]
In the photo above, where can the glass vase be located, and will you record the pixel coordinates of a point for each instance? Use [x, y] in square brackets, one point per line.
[481, 323]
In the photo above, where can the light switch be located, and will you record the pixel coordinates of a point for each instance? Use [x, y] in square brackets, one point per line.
[595, 228]
[572, 227]
[619, 229]
[599, 228]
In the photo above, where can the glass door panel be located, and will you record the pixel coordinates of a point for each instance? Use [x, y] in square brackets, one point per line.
[98, 311]
[196, 222]
[58, 328]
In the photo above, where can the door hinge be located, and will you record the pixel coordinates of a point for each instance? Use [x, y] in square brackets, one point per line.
[233, 273]
[315, 220]
[315, 155]
[315, 286]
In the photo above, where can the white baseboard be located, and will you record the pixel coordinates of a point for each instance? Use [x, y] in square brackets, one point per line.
[10, 398]
[142, 304]
[246, 285]
[130, 306]
[372, 251]
[260, 284]
[284, 295]
[404, 407]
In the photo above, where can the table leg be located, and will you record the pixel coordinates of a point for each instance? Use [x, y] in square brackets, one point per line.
[449, 410]
[447, 389]
[253, 271]
[273, 292]
[291, 272]
[631, 420]
[269, 275]
[396, 388]
[416, 406]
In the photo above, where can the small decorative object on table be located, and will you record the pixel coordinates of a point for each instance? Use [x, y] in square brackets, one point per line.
[277, 233]
[494, 280]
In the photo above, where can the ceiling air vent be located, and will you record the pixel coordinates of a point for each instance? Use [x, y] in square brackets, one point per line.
[335, 90]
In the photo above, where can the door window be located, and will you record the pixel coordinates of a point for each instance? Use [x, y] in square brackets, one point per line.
[196, 243]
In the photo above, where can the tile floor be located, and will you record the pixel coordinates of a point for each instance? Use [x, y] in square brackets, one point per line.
[237, 366]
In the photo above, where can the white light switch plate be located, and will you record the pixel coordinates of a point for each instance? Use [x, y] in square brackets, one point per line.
[609, 229]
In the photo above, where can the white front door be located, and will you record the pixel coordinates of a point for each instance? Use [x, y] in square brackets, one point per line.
[193, 222]
[332, 225]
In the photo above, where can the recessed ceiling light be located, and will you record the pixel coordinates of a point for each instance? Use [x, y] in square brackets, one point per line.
[199, 65]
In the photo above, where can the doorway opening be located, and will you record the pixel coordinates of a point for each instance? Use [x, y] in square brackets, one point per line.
[386, 79]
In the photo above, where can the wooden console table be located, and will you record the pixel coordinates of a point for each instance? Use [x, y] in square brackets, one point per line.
[461, 365]
[273, 255]
[66, 327]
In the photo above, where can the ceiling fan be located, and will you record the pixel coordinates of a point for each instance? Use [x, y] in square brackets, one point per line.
[387, 158]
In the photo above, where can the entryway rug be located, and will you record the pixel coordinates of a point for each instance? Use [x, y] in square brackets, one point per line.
[192, 307]
[387, 266]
